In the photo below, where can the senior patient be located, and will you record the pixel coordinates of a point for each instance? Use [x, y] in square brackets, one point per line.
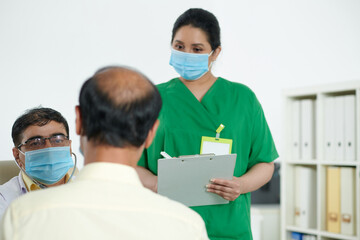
[116, 120]
[41, 151]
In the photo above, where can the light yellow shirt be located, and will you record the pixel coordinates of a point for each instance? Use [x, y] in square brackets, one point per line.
[105, 201]
[31, 186]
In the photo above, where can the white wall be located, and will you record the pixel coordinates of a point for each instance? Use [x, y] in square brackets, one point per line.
[49, 47]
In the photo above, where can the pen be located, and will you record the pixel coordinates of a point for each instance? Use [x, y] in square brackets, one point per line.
[165, 155]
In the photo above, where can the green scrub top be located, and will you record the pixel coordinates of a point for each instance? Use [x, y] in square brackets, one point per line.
[184, 120]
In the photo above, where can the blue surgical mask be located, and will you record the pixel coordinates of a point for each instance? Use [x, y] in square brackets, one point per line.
[190, 66]
[48, 165]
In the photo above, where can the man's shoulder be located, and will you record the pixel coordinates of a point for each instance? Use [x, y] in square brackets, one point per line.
[173, 209]
[128, 201]
[11, 189]
[173, 214]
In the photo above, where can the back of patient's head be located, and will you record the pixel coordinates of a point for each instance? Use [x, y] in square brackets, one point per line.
[118, 107]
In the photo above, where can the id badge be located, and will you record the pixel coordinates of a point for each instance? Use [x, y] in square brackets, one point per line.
[218, 146]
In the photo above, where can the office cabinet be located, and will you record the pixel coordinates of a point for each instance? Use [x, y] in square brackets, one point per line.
[320, 162]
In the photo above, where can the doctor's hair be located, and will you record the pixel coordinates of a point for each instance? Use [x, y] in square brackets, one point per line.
[118, 107]
[200, 18]
[38, 116]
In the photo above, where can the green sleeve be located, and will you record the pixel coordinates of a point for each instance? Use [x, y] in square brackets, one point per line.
[262, 144]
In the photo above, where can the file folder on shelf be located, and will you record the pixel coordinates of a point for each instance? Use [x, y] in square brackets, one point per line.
[296, 143]
[350, 129]
[305, 197]
[329, 129]
[308, 237]
[307, 129]
[339, 128]
[347, 200]
[333, 199]
[296, 236]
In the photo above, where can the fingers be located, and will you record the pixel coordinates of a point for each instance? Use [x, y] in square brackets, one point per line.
[224, 195]
[228, 195]
[222, 182]
[218, 188]
[228, 189]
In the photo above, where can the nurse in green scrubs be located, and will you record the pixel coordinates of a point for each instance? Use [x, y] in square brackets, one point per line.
[194, 105]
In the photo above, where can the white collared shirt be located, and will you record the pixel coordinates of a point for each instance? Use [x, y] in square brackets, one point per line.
[105, 201]
[18, 186]
[10, 191]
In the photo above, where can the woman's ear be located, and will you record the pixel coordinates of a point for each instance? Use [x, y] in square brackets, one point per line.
[215, 54]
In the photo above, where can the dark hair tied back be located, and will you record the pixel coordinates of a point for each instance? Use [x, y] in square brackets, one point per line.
[200, 18]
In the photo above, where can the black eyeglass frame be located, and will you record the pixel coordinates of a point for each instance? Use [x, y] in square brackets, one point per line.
[42, 139]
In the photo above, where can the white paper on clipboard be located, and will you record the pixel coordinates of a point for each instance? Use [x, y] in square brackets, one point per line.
[216, 148]
[184, 179]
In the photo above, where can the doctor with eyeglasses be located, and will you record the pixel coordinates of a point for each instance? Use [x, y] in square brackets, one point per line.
[42, 151]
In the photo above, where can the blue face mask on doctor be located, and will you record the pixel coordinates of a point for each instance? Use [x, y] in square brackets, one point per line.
[48, 165]
[190, 66]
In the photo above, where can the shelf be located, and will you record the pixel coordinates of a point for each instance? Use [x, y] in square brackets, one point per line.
[320, 233]
[303, 162]
[332, 163]
[328, 88]
[326, 163]
[338, 236]
[321, 136]
[302, 230]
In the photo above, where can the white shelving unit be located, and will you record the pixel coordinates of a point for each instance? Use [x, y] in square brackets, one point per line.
[318, 162]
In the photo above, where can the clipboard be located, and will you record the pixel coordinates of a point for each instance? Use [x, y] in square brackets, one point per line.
[184, 179]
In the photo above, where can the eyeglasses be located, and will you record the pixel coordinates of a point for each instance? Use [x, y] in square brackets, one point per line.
[36, 143]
